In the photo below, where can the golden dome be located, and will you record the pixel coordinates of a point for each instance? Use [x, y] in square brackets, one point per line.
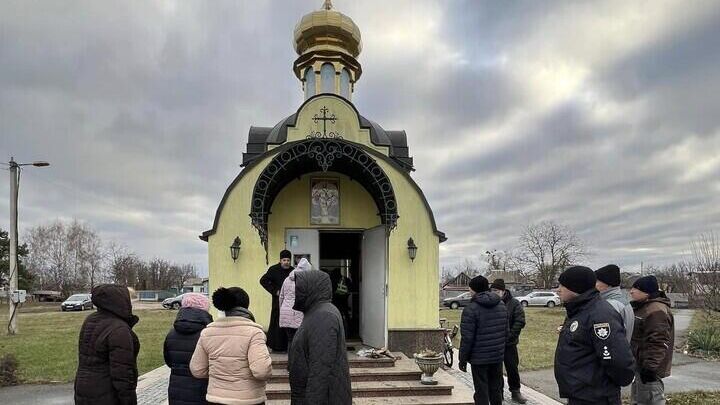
[327, 30]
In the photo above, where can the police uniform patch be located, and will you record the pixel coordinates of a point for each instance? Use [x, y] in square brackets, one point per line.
[574, 326]
[602, 330]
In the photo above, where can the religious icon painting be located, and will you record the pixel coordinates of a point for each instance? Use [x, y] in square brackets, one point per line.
[325, 202]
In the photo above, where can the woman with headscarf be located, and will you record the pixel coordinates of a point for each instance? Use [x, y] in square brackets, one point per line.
[291, 319]
[232, 353]
[178, 349]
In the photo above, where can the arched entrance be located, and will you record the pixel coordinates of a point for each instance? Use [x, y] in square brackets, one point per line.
[365, 256]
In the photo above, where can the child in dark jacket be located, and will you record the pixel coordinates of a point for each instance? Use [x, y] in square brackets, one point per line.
[179, 347]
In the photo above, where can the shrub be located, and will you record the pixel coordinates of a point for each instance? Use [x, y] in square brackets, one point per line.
[8, 370]
[705, 340]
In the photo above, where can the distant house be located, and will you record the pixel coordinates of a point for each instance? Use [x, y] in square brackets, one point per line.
[199, 285]
[514, 281]
[456, 286]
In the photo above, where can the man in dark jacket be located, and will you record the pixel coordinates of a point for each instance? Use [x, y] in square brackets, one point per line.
[652, 341]
[318, 366]
[193, 317]
[107, 350]
[272, 281]
[516, 322]
[484, 331]
[593, 358]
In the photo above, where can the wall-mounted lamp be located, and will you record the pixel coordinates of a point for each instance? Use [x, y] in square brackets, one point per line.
[235, 248]
[412, 249]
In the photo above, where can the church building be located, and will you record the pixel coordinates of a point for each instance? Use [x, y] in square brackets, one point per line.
[335, 187]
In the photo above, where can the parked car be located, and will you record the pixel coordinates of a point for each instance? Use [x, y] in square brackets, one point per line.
[461, 300]
[77, 302]
[540, 298]
[175, 302]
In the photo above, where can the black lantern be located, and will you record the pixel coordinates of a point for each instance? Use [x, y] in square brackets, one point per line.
[412, 249]
[235, 248]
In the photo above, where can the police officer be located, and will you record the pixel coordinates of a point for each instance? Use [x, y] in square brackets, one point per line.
[593, 358]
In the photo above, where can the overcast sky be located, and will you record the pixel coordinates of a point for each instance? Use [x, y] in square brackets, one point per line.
[604, 115]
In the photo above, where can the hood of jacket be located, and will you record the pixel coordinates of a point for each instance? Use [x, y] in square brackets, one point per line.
[660, 297]
[116, 300]
[311, 288]
[486, 299]
[191, 320]
[303, 265]
[614, 293]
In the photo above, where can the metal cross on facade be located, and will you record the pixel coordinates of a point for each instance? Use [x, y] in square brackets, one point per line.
[324, 119]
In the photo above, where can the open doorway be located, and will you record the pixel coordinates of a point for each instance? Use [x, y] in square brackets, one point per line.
[340, 254]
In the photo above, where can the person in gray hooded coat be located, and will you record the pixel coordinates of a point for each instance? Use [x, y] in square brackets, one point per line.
[318, 366]
[608, 283]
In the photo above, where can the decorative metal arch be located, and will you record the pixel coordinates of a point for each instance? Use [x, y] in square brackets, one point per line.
[315, 154]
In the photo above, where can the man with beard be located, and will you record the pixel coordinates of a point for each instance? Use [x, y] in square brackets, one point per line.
[272, 281]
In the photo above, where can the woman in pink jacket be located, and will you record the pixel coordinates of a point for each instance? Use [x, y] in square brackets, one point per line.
[231, 352]
[291, 319]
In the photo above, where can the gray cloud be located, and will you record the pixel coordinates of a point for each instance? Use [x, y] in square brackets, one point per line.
[599, 115]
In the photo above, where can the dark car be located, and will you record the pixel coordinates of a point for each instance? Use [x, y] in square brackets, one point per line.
[77, 302]
[461, 300]
[175, 302]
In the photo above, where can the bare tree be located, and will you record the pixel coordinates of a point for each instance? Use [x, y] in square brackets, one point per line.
[468, 266]
[447, 275]
[674, 278]
[546, 248]
[124, 267]
[706, 263]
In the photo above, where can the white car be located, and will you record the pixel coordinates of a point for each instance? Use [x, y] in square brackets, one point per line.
[540, 298]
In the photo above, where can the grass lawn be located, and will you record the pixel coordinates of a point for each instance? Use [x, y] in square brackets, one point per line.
[46, 347]
[537, 340]
[692, 398]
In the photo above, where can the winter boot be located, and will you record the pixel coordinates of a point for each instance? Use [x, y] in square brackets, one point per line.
[518, 398]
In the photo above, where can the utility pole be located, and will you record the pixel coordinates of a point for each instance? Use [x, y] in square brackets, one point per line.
[13, 295]
[13, 269]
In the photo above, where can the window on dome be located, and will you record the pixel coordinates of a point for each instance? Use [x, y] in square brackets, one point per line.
[327, 77]
[309, 83]
[345, 84]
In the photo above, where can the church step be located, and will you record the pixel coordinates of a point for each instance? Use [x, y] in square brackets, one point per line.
[280, 361]
[374, 389]
[404, 370]
[423, 400]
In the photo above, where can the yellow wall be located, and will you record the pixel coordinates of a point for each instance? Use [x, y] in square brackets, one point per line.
[412, 286]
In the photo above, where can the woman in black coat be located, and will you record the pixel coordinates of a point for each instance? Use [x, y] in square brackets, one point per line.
[193, 317]
[107, 350]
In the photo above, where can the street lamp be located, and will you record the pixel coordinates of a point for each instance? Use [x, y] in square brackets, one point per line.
[13, 295]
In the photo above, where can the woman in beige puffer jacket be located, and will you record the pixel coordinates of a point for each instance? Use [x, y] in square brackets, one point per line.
[231, 352]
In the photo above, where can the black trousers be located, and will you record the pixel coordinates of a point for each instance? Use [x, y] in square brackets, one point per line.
[512, 360]
[488, 382]
[290, 333]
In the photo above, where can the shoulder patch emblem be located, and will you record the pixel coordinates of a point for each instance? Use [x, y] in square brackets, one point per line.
[602, 330]
[574, 326]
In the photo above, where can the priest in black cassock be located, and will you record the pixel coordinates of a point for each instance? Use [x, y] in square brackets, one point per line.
[272, 281]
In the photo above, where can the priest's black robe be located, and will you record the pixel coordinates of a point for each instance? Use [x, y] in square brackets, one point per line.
[272, 281]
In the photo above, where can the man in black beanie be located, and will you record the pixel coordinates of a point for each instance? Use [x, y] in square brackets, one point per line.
[516, 322]
[484, 330]
[272, 281]
[593, 358]
[652, 342]
[608, 283]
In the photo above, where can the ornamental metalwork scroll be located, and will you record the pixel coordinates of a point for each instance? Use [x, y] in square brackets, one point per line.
[321, 154]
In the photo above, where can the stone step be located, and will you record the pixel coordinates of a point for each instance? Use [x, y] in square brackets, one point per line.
[449, 391]
[367, 389]
[404, 370]
[426, 400]
[280, 361]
